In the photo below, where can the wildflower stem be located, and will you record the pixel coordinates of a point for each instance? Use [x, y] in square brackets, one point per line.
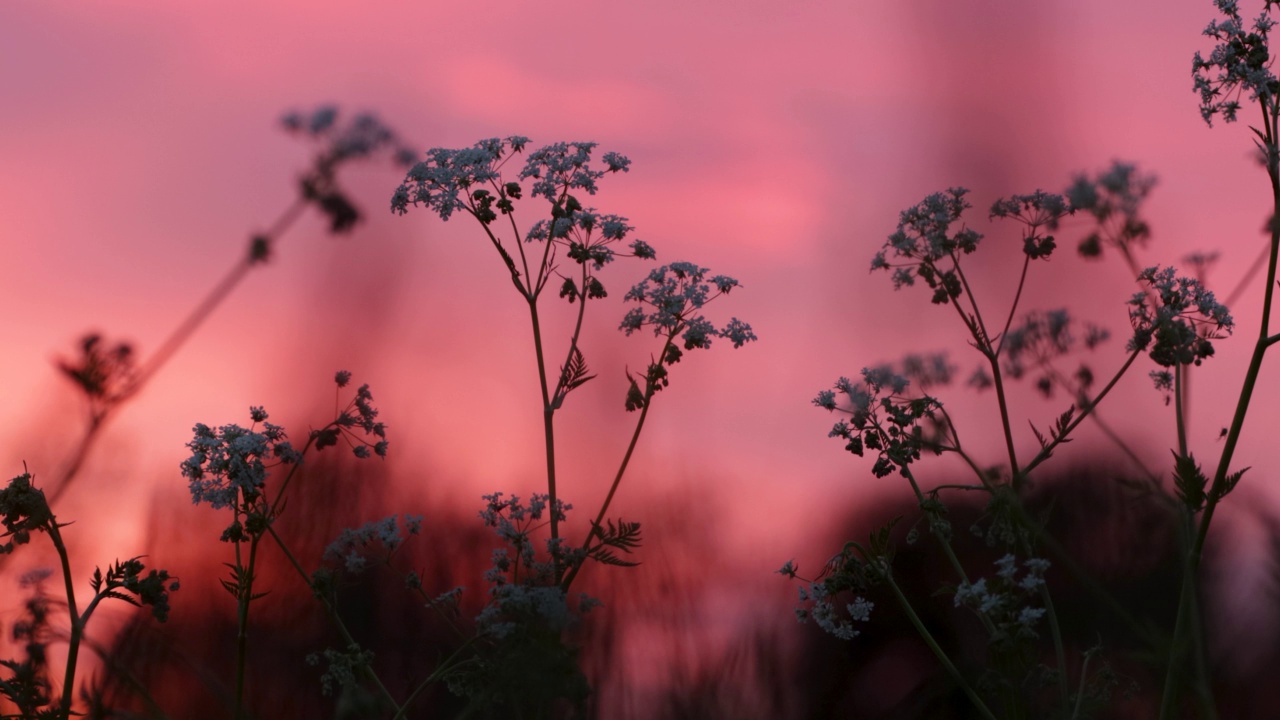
[336, 619]
[244, 591]
[944, 541]
[77, 622]
[1085, 411]
[978, 329]
[548, 417]
[1082, 400]
[1180, 621]
[215, 298]
[1178, 378]
[1219, 486]
[937, 650]
[506, 257]
[1084, 677]
[432, 678]
[173, 343]
[1013, 307]
[1058, 650]
[650, 389]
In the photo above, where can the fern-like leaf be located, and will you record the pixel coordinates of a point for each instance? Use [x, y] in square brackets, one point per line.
[606, 557]
[1189, 481]
[574, 372]
[624, 536]
[1228, 484]
[1039, 437]
[1060, 428]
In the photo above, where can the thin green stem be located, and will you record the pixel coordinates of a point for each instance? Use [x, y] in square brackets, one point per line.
[1017, 296]
[1177, 410]
[943, 541]
[77, 623]
[336, 619]
[244, 596]
[432, 678]
[650, 389]
[1084, 677]
[1219, 487]
[982, 340]
[170, 346]
[937, 649]
[1059, 650]
[1169, 696]
[548, 418]
[1048, 449]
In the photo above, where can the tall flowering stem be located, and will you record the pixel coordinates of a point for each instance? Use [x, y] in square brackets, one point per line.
[25, 510]
[229, 467]
[470, 180]
[110, 377]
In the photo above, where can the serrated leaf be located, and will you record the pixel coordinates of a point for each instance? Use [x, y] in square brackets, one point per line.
[1039, 437]
[1064, 421]
[121, 596]
[880, 546]
[625, 535]
[1189, 481]
[1229, 484]
[635, 398]
[574, 372]
[605, 557]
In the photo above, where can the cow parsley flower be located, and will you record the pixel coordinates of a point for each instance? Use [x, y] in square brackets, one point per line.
[1113, 198]
[1186, 318]
[388, 534]
[438, 181]
[881, 418]
[1037, 210]
[231, 461]
[671, 299]
[924, 239]
[362, 137]
[1239, 63]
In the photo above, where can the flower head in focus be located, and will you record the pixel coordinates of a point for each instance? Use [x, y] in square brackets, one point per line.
[1179, 329]
[1239, 63]
[924, 239]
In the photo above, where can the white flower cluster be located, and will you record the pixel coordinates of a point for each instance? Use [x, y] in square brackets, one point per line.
[232, 460]
[525, 591]
[823, 611]
[675, 294]
[1242, 61]
[1002, 600]
[347, 547]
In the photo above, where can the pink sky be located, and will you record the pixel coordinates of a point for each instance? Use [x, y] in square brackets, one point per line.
[772, 141]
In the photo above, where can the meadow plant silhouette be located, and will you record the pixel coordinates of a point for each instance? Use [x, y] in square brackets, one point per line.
[109, 376]
[892, 416]
[512, 659]
[1011, 577]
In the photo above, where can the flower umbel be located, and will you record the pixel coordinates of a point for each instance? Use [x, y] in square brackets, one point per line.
[231, 461]
[1179, 330]
[1240, 62]
[674, 295]
[924, 239]
[882, 418]
[364, 136]
[1113, 197]
[1037, 210]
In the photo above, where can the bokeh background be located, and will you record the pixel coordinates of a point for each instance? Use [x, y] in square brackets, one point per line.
[772, 141]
